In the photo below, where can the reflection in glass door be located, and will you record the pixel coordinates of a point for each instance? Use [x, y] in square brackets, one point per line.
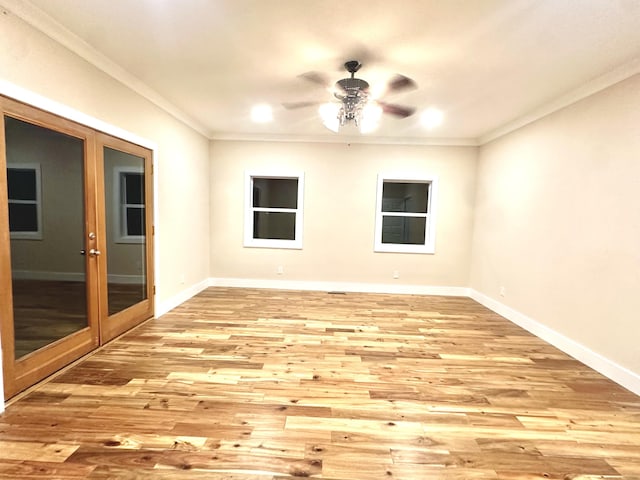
[45, 185]
[126, 232]
[127, 194]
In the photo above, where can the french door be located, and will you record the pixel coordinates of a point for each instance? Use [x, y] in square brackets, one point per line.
[76, 250]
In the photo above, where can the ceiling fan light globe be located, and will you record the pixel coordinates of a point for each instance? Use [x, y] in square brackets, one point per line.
[330, 115]
[370, 117]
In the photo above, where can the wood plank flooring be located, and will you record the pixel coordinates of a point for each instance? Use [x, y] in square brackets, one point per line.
[242, 384]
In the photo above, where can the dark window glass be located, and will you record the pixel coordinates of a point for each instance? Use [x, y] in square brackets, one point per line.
[274, 225]
[275, 192]
[134, 188]
[23, 217]
[403, 230]
[135, 221]
[21, 183]
[405, 197]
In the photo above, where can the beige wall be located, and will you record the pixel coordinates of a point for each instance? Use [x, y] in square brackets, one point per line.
[32, 61]
[558, 222]
[339, 212]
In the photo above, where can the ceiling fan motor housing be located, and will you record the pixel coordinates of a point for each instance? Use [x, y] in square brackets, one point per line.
[352, 87]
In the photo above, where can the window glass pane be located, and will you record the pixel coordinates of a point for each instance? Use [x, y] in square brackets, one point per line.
[23, 217]
[134, 188]
[274, 225]
[405, 197]
[21, 183]
[275, 192]
[135, 221]
[404, 230]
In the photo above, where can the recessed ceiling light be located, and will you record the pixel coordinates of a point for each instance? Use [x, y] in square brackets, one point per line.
[432, 117]
[261, 113]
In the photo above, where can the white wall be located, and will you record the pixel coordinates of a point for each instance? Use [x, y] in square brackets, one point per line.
[339, 213]
[557, 223]
[32, 61]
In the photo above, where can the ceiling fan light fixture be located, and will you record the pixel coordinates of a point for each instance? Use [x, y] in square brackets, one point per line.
[356, 104]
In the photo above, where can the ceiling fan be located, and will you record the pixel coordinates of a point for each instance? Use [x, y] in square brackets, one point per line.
[355, 102]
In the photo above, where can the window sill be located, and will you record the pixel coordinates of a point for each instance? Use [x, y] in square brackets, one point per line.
[130, 239]
[399, 248]
[265, 243]
[25, 235]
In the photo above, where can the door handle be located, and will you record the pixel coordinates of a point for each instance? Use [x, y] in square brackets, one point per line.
[94, 253]
[83, 252]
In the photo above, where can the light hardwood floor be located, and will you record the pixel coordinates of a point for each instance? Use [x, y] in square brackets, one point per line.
[241, 384]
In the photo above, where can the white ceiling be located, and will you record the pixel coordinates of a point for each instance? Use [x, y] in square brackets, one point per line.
[489, 65]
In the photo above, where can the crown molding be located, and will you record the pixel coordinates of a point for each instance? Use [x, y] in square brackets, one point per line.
[54, 30]
[592, 87]
[342, 139]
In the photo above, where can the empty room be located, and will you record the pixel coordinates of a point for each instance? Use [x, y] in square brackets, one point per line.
[275, 239]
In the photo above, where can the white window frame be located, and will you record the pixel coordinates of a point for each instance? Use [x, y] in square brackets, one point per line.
[249, 210]
[430, 216]
[120, 208]
[36, 235]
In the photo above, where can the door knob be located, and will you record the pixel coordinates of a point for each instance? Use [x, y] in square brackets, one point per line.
[94, 253]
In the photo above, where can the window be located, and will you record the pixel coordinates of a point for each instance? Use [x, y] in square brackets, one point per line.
[25, 209]
[273, 211]
[405, 215]
[130, 194]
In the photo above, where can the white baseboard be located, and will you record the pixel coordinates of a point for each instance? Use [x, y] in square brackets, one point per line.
[340, 287]
[180, 298]
[619, 374]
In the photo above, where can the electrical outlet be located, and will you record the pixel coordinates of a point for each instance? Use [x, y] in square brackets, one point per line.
[280, 270]
[396, 274]
[503, 291]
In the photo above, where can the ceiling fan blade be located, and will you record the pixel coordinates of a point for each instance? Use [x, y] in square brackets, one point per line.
[317, 78]
[397, 110]
[400, 82]
[294, 105]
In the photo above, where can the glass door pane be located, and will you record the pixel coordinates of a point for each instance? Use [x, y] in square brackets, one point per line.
[126, 229]
[45, 185]
[127, 222]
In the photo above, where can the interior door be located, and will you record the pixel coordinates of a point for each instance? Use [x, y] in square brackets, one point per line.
[127, 274]
[76, 241]
[49, 256]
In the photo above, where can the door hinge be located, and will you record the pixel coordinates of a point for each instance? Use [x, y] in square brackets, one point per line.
[154, 289]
